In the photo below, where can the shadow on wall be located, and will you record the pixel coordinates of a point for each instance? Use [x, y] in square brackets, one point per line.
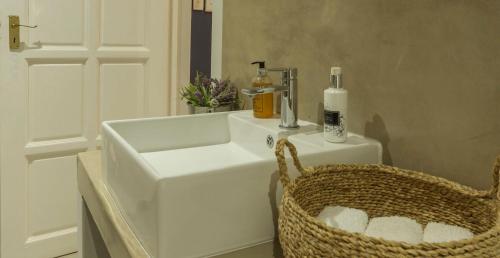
[321, 114]
[376, 129]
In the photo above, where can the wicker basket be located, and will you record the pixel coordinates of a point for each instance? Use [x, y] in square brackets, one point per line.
[382, 191]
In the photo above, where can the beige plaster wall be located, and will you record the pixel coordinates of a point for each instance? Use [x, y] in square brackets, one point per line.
[423, 75]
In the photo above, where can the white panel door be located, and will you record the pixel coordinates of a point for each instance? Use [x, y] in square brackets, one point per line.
[88, 61]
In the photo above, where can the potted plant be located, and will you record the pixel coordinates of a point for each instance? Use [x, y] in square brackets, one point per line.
[207, 95]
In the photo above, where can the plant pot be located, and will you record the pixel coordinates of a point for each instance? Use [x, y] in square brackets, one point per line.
[203, 110]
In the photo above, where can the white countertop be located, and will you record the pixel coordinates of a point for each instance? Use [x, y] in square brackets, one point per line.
[117, 235]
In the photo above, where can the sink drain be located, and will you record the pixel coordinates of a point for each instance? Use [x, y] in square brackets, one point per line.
[270, 141]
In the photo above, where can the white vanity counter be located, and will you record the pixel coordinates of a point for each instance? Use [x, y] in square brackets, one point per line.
[107, 234]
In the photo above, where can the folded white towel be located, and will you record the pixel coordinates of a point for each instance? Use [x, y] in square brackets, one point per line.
[395, 228]
[348, 219]
[440, 232]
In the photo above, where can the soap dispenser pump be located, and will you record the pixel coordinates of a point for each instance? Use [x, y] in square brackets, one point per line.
[262, 103]
[335, 108]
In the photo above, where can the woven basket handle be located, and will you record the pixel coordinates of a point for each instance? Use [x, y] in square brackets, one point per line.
[280, 156]
[496, 180]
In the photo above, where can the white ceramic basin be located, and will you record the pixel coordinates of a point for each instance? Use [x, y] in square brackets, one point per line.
[197, 186]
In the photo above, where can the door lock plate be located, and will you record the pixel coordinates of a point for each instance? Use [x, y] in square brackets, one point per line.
[14, 41]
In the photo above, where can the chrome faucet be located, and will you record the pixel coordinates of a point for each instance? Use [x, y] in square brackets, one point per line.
[289, 95]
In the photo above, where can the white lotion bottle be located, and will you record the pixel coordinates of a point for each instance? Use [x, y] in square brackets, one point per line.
[335, 108]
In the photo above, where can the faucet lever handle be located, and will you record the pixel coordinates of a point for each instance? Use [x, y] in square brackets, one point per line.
[278, 69]
[286, 73]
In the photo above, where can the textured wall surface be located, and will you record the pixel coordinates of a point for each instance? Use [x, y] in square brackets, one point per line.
[423, 75]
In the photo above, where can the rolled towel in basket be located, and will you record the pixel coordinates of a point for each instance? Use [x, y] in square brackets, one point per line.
[348, 219]
[395, 228]
[440, 232]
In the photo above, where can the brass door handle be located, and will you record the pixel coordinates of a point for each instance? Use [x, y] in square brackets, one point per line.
[14, 38]
[26, 26]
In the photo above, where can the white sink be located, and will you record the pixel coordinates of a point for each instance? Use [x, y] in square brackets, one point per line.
[197, 186]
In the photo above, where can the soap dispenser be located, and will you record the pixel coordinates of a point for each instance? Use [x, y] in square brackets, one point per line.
[262, 103]
[335, 108]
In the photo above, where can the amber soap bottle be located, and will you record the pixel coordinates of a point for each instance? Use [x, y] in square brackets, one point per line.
[262, 103]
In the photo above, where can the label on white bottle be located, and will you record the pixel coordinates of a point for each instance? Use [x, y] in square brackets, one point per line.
[332, 118]
[334, 124]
